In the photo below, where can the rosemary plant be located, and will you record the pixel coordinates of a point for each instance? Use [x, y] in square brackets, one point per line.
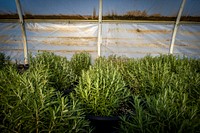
[30, 104]
[102, 90]
[80, 61]
[151, 75]
[166, 94]
[62, 76]
[167, 112]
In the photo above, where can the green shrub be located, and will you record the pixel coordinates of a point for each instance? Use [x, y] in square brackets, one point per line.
[9, 79]
[169, 111]
[151, 75]
[62, 76]
[166, 94]
[102, 90]
[113, 60]
[118, 61]
[165, 91]
[80, 61]
[32, 105]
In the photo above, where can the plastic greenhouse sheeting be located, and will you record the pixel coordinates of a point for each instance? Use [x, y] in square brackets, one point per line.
[141, 7]
[137, 39]
[76, 9]
[187, 40]
[11, 41]
[132, 40]
[62, 37]
[140, 39]
[8, 7]
[110, 7]
[192, 8]
[66, 27]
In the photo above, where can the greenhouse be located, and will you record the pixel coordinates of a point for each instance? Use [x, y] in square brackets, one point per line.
[111, 66]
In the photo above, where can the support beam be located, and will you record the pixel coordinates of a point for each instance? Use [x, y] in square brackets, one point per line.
[19, 10]
[100, 28]
[176, 27]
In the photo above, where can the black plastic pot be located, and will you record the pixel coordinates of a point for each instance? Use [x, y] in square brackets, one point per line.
[104, 124]
[22, 67]
[67, 91]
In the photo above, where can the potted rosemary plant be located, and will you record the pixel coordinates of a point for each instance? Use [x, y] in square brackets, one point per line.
[30, 104]
[62, 76]
[102, 91]
[80, 61]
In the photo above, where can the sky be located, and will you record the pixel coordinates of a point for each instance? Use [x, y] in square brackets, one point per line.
[86, 7]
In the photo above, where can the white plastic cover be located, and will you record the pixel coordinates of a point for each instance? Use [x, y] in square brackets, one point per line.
[129, 39]
[188, 41]
[122, 38]
[136, 39]
[11, 41]
[62, 38]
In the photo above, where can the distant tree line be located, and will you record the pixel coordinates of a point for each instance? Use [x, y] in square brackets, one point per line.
[143, 15]
[110, 15]
[135, 13]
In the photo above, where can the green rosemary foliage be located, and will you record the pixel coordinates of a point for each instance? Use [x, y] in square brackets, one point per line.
[101, 90]
[80, 61]
[62, 76]
[31, 104]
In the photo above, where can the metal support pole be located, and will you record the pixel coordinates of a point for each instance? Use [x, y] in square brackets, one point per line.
[100, 28]
[19, 10]
[176, 26]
